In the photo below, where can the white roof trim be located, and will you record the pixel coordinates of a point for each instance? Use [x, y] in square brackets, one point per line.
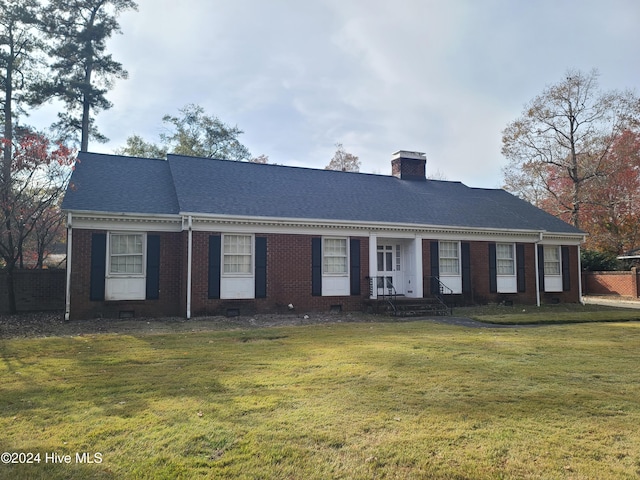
[209, 222]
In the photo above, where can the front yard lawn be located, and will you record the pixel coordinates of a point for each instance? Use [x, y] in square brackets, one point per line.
[547, 314]
[413, 399]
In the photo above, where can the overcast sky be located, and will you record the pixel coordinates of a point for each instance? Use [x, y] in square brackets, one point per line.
[443, 77]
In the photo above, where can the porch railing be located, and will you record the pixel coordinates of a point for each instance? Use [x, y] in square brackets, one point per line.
[439, 290]
[382, 287]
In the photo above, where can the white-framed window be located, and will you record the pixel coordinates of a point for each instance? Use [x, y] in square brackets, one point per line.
[335, 258]
[506, 280]
[126, 254]
[552, 260]
[505, 259]
[449, 258]
[126, 266]
[237, 255]
[552, 268]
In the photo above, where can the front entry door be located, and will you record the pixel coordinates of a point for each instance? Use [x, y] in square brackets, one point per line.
[388, 274]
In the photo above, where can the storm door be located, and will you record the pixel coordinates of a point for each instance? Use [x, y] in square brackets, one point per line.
[388, 269]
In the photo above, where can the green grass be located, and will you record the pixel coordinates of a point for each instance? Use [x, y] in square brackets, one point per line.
[345, 400]
[547, 314]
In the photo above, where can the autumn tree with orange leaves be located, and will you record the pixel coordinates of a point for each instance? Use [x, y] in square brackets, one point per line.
[29, 200]
[573, 152]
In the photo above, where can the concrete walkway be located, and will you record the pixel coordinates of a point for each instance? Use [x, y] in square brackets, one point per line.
[620, 302]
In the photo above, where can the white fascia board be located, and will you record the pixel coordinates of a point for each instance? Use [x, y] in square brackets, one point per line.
[125, 221]
[252, 224]
[562, 239]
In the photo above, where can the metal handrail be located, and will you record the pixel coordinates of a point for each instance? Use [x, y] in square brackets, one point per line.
[442, 290]
[387, 285]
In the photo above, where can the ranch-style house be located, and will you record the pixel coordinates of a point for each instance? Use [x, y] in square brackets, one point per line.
[192, 236]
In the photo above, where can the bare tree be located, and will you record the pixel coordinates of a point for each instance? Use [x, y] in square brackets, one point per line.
[343, 161]
[560, 143]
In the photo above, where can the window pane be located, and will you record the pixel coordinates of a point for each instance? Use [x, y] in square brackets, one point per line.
[551, 261]
[449, 266]
[237, 254]
[335, 246]
[551, 254]
[237, 244]
[237, 264]
[449, 261]
[126, 253]
[505, 262]
[448, 249]
[505, 267]
[335, 265]
[504, 251]
[335, 255]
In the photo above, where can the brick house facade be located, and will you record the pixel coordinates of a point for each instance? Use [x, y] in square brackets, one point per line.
[172, 238]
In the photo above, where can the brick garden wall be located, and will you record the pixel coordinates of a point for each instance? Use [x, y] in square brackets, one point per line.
[624, 284]
[36, 290]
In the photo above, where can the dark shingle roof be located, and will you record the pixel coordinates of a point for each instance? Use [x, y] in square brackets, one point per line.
[111, 183]
[206, 186]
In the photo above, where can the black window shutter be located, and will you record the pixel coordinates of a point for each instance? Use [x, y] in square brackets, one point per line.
[214, 266]
[566, 271]
[493, 269]
[541, 267]
[261, 267]
[316, 267]
[98, 266]
[354, 267]
[521, 279]
[435, 267]
[465, 253]
[153, 267]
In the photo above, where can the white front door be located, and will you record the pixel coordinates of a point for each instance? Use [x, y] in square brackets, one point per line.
[389, 278]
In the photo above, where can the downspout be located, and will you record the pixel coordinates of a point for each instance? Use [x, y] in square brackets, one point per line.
[67, 295]
[580, 275]
[537, 270]
[189, 257]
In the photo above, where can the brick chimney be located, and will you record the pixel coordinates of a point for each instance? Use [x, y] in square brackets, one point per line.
[409, 165]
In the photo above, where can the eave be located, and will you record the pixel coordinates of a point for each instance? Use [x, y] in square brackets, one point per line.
[232, 223]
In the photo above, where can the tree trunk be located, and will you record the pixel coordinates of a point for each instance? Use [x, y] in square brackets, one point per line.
[8, 130]
[84, 142]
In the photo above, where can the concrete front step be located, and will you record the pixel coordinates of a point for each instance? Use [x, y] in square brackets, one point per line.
[407, 307]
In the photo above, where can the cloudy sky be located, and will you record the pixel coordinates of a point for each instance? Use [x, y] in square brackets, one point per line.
[442, 77]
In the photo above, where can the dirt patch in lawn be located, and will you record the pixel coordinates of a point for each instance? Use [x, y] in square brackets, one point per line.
[46, 324]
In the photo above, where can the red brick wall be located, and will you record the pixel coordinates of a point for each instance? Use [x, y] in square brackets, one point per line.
[611, 283]
[288, 278]
[479, 265]
[170, 303]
